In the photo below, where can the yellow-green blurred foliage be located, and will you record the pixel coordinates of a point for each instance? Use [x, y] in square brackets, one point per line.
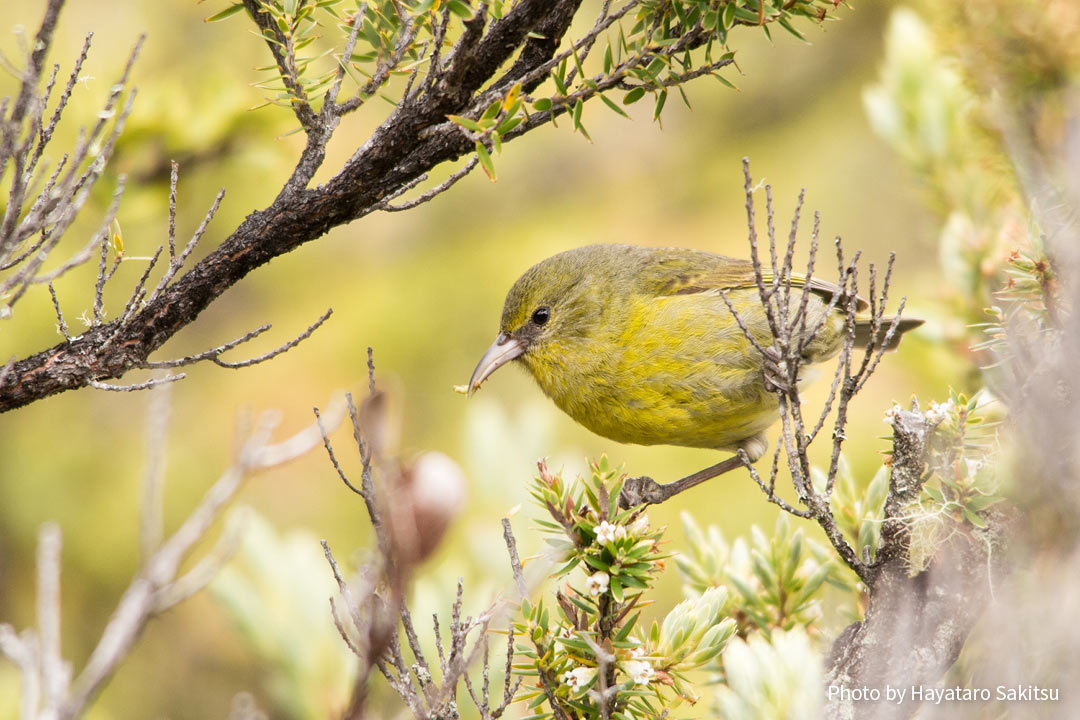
[424, 288]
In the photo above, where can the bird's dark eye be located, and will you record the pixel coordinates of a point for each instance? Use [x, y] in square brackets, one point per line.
[541, 315]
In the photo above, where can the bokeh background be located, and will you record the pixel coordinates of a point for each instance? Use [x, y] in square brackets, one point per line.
[424, 289]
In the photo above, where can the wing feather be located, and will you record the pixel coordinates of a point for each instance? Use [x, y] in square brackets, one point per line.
[689, 272]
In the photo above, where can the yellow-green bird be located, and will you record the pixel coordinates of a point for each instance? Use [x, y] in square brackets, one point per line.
[638, 345]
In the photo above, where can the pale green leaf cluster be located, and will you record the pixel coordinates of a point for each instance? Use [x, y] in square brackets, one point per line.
[858, 510]
[315, 32]
[500, 117]
[767, 678]
[301, 27]
[991, 251]
[640, 48]
[961, 480]
[775, 579]
[919, 104]
[695, 630]
[922, 108]
[274, 591]
[664, 44]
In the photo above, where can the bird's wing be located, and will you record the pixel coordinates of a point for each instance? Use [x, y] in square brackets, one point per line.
[691, 272]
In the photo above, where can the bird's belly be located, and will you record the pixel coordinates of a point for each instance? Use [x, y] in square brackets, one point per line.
[719, 424]
[684, 401]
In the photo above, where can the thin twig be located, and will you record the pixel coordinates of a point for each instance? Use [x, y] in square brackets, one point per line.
[214, 354]
[280, 349]
[174, 178]
[137, 294]
[154, 382]
[206, 568]
[56, 675]
[414, 644]
[61, 105]
[177, 262]
[206, 354]
[60, 324]
[152, 510]
[768, 489]
[333, 458]
[329, 105]
[383, 71]
[428, 195]
[515, 562]
[99, 286]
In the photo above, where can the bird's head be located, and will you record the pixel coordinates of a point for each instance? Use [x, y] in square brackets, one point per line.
[549, 315]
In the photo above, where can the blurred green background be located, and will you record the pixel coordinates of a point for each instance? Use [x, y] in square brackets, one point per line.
[425, 289]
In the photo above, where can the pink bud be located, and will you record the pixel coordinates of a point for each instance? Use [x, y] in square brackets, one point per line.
[430, 495]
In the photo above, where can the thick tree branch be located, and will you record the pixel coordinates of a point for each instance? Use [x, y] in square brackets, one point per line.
[395, 154]
[488, 58]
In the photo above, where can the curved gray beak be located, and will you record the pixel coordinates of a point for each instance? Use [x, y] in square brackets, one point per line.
[502, 351]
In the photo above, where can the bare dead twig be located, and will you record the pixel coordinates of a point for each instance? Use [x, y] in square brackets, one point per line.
[154, 382]
[67, 188]
[159, 575]
[50, 690]
[214, 354]
[60, 324]
[372, 612]
[55, 673]
[442, 187]
[515, 562]
[770, 489]
[152, 509]
[337, 467]
[330, 100]
[174, 179]
[176, 262]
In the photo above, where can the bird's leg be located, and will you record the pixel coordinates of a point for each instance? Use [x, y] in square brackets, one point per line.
[646, 491]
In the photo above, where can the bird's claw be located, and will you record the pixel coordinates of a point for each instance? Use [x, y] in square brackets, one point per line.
[775, 369]
[640, 491]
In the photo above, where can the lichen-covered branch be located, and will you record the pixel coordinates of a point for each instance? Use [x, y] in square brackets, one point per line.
[915, 624]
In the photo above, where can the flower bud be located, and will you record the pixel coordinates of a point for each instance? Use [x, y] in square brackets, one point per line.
[429, 495]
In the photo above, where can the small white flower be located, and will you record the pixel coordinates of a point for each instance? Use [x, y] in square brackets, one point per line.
[608, 532]
[938, 412]
[638, 652]
[597, 583]
[641, 525]
[605, 533]
[577, 678]
[640, 671]
[566, 632]
[890, 415]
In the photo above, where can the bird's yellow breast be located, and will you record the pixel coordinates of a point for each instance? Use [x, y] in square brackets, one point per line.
[664, 370]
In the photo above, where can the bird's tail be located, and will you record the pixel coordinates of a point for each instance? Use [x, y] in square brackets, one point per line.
[863, 330]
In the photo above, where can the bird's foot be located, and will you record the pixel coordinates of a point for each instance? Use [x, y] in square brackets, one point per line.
[641, 490]
[775, 369]
[646, 491]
